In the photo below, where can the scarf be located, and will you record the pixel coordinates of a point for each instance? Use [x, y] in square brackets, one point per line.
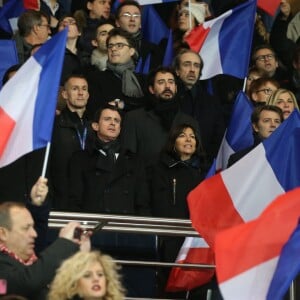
[166, 110]
[28, 262]
[130, 85]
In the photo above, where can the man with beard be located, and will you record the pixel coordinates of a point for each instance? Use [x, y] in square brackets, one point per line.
[145, 130]
[196, 102]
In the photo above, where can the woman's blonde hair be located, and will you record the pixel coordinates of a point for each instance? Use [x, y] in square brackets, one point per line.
[274, 97]
[65, 283]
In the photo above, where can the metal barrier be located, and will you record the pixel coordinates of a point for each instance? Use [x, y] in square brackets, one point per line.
[135, 224]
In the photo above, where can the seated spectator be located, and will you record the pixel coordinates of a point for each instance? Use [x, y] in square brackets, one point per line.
[265, 119]
[54, 10]
[145, 131]
[118, 81]
[25, 273]
[106, 178]
[89, 18]
[99, 55]
[284, 99]
[75, 59]
[86, 276]
[261, 90]
[129, 19]
[33, 28]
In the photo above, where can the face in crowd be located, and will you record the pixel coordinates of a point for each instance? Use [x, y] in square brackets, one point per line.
[185, 143]
[119, 51]
[266, 62]
[101, 37]
[129, 19]
[164, 87]
[73, 31]
[264, 92]
[99, 8]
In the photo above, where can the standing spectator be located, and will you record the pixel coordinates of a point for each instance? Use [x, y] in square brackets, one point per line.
[106, 178]
[89, 275]
[54, 10]
[33, 29]
[70, 133]
[196, 102]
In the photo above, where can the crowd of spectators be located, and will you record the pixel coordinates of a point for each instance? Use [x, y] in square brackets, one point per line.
[129, 143]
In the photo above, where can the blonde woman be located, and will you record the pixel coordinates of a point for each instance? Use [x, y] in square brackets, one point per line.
[87, 276]
[284, 99]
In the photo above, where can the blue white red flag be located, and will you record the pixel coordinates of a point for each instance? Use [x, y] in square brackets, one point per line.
[12, 9]
[288, 267]
[169, 52]
[247, 255]
[268, 6]
[224, 43]
[238, 135]
[241, 192]
[28, 101]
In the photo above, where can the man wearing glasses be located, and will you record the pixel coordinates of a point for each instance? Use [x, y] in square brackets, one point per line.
[34, 29]
[266, 61]
[128, 18]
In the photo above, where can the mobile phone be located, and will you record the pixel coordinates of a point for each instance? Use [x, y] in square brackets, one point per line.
[77, 233]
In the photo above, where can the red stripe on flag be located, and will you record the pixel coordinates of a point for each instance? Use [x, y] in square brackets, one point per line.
[197, 37]
[211, 208]
[32, 4]
[7, 125]
[182, 279]
[269, 6]
[248, 245]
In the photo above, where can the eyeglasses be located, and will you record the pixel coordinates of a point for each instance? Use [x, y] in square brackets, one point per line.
[265, 57]
[45, 25]
[129, 15]
[67, 22]
[266, 91]
[117, 45]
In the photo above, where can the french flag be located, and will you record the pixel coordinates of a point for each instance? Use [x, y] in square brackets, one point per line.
[238, 135]
[247, 255]
[12, 9]
[268, 6]
[28, 101]
[225, 42]
[240, 193]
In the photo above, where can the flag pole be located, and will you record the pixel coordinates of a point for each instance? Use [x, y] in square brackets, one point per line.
[46, 160]
[190, 15]
[244, 84]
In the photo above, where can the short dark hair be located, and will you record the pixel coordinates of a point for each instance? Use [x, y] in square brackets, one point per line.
[176, 62]
[5, 216]
[125, 3]
[104, 106]
[74, 75]
[258, 110]
[259, 47]
[124, 34]
[257, 83]
[160, 69]
[101, 23]
[28, 19]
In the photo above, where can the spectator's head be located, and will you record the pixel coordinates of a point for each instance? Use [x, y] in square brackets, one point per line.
[120, 47]
[75, 92]
[128, 16]
[253, 74]
[162, 83]
[101, 36]
[10, 72]
[74, 31]
[261, 89]
[107, 123]
[284, 99]
[99, 8]
[265, 119]
[265, 59]
[17, 233]
[89, 275]
[188, 66]
[34, 27]
[183, 142]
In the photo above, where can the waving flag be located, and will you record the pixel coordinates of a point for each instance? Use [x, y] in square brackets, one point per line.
[169, 52]
[247, 255]
[12, 9]
[224, 43]
[28, 101]
[243, 191]
[268, 6]
[238, 135]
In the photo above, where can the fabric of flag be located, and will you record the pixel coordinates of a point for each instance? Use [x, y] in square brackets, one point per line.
[224, 43]
[268, 6]
[8, 56]
[28, 101]
[288, 267]
[241, 192]
[153, 27]
[247, 255]
[238, 135]
[169, 52]
[12, 9]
